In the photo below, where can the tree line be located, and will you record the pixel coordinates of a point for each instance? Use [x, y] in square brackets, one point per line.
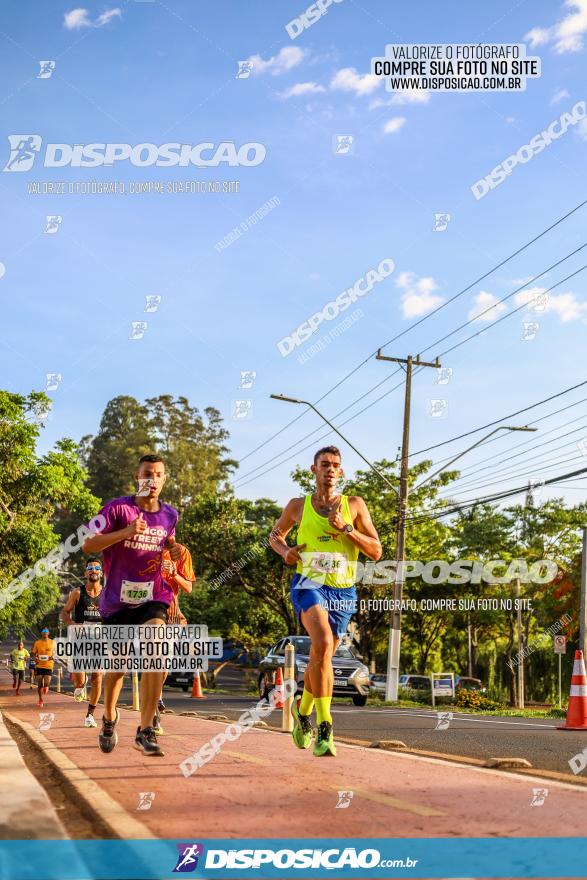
[242, 591]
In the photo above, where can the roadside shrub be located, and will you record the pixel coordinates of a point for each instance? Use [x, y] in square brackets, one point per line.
[475, 700]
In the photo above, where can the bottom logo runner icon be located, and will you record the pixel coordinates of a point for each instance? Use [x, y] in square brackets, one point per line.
[187, 860]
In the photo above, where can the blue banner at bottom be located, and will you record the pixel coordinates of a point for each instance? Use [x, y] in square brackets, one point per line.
[383, 858]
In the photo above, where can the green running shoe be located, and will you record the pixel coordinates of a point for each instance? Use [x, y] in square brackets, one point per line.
[302, 732]
[324, 744]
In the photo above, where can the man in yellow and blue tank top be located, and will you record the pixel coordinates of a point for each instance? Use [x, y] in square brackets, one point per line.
[332, 530]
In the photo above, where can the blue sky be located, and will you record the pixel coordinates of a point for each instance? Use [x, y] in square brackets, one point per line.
[151, 72]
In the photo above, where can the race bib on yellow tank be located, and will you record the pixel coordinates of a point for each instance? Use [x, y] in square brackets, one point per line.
[325, 563]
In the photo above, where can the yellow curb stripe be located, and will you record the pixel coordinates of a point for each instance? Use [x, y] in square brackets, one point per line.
[252, 759]
[396, 803]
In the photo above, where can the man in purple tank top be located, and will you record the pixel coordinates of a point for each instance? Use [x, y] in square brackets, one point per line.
[138, 527]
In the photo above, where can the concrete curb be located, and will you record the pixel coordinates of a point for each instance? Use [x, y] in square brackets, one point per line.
[97, 802]
[23, 797]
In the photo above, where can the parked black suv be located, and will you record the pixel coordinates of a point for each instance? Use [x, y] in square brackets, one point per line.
[351, 676]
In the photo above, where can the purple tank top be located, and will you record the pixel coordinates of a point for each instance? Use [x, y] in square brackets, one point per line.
[132, 568]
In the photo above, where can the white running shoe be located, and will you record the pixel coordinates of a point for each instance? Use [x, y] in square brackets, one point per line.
[90, 721]
[79, 694]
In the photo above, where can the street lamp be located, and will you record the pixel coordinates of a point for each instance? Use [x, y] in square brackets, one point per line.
[394, 640]
[348, 442]
[478, 443]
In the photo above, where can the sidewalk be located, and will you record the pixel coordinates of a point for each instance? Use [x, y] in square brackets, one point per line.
[261, 786]
[26, 812]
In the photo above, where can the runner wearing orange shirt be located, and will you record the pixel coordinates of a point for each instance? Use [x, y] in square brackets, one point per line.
[180, 576]
[42, 651]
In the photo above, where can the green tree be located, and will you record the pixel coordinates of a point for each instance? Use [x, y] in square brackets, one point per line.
[242, 580]
[111, 456]
[38, 497]
[192, 445]
[527, 534]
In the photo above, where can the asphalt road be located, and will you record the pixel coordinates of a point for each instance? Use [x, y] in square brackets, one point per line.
[537, 739]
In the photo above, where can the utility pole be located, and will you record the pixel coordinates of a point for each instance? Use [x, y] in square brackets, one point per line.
[520, 649]
[394, 642]
[583, 612]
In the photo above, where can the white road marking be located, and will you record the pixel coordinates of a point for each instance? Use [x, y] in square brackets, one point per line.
[461, 716]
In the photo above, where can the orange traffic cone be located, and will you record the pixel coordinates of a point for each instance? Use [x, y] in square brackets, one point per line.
[577, 711]
[197, 687]
[279, 694]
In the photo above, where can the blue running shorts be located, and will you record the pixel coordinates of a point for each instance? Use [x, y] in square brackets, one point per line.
[340, 602]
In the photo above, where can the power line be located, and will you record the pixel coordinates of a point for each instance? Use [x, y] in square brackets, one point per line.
[239, 482]
[503, 418]
[506, 478]
[362, 396]
[466, 473]
[505, 317]
[496, 497]
[421, 321]
[524, 442]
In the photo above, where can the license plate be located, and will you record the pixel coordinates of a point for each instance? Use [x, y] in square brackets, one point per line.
[340, 682]
[180, 679]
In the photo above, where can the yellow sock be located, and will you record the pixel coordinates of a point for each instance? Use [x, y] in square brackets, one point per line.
[323, 709]
[306, 703]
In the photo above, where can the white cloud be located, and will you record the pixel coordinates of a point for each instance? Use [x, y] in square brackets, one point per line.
[518, 281]
[398, 99]
[286, 59]
[582, 128]
[418, 294]
[538, 37]
[394, 124]
[349, 80]
[79, 18]
[565, 305]
[482, 302]
[307, 88]
[558, 96]
[411, 96]
[567, 34]
[107, 16]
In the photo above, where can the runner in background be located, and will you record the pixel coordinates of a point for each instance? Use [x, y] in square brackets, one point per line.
[42, 652]
[82, 607]
[180, 576]
[18, 659]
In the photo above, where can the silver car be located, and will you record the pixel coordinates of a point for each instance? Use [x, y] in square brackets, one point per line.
[351, 676]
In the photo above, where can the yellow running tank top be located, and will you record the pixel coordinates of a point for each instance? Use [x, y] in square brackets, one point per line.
[330, 557]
